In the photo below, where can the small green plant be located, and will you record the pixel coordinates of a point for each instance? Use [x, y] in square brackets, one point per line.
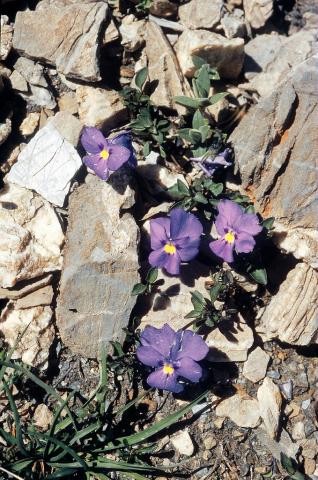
[150, 282]
[292, 468]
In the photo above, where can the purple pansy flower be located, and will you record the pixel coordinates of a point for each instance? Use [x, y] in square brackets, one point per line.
[208, 164]
[174, 240]
[105, 155]
[173, 355]
[236, 229]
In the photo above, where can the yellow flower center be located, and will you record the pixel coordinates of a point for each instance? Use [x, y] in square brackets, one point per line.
[170, 248]
[104, 154]
[229, 237]
[168, 369]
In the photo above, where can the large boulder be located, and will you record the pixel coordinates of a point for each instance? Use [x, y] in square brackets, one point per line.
[275, 151]
[100, 265]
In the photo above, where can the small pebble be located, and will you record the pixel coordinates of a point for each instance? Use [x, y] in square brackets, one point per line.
[305, 404]
[273, 374]
[287, 390]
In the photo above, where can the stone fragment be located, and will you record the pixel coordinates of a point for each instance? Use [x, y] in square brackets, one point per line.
[41, 97]
[163, 68]
[67, 103]
[67, 125]
[25, 289]
[257, 12]
[31, 71]
[242, 409]
[31, 236]
[42, 296]
[29, 124]
[285, 444]
[201, 14]
[6, 35]
[226, 55]
[182, 443]
[69, 40]
[309, 466]
[270, 404]
[230, 341]
[42, 417]
[298, 432]
[5, 130]
[18, 82]
[100, 265]
[47, 165]
[132, 32]
[309, 448]
[291, 315]
[11, 158]
[98, 107]
[270, 57]
[268, 161]
[36, 329]
[234, 24]
[111, 33]
[163, 8]
[256, 365]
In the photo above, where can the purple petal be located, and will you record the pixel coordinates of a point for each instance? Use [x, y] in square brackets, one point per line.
[93, 140]
[117, 157]
[159, 232]
[192, 346]
[159, 379]
[172, 264]
[124, 139]
[161, 339]
[248, 223]
[184, 224]
[189, 369]
[189, 251]
[158, 258]
[230, 210]
[98, 165]
[221, 225]
[149, 356]
[222, 249]
[244, 243]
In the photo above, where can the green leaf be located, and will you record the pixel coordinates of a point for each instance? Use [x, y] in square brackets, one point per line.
[20, 465]
[268, 223]
[250, 209]
[188, 101]
[65, 472]
[203, 82]
[179, 190]
[184, 133]
[198, 301]
[16, 417]
[152, 275]
[195, 137]
[259, 275]
[198, 61]
[146, 149]
[215, 291]
[198, 120]
[216, 189]
[141, 77]
[214, 74]
[193, 314]
[138, 289]
[217, 97]
[205, 131]
[200, 198]
[291, 467]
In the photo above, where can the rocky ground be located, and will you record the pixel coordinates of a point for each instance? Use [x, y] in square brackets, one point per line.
[72, 247]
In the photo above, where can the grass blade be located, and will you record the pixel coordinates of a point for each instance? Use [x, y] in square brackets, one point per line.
[16, 416]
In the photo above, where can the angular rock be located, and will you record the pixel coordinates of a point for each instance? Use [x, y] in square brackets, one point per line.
[5, 130]
[47, 165]
[98, 107]
[277, 167]
[163, 8]
[30, 123]
[6, 34]
[67, 103]
[257, 12]
[163, 68]
[132, 32]
[182, 443]
[43, 296]
[225, 55]
[111, 33]
[201, 14]
[242, 409]
[100, 265]
[284, 445]
[256, 365]
[69, 40]
[23, 290]
[230, 341]
[234, 24]
[291, 315]
[42, 417]
[31, 236]
[36, 323]
[270, 57]
[18, 82]
[31, 71]
[270, 404]
[67, 125]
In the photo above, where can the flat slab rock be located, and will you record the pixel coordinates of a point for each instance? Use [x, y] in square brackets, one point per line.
[277, 167]
[100, 265]
[69, 40]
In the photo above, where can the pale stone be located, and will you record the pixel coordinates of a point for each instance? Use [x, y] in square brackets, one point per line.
[47, 165]
[18, 82]
[182, 443]
[111, 33]
[5, 130]
[35, 324]
[98, 107]
[285, 444]
[226, 55]
[42, 417]
[163, 8]
[69, 40]
[6, 35]
[68, 126]
[100, 265]
[132, 33]
[270, 404]
[163, 68]
[42, 296]
[230, 341]
[298, 432]
[257, 12]
[67, 102]
[234, 24]
[41, 97]
[201, 14]
[256, 365]
[30, 123]
[31, 236]
[272, 173]
[309, 466]
[24, 290]
[309, 447]
[242, 409]
[291, 315]
[11, 158]
[31, 71]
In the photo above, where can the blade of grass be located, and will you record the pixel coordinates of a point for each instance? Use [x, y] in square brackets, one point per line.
[10, 474]
[128, 405]
[16, 417]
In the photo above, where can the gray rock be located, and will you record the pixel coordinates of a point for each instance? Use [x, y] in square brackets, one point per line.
[69, 40]
[270, 404]
[242, 409]
[5, 130]
[285, 444]
[32, 72]
[256, 365]
[132, 32]
[257, 12]
[201, 14]
[100, 265]
[6, 34]
[18, 82]
[276, 166]
[234, 24]
[291, 315]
